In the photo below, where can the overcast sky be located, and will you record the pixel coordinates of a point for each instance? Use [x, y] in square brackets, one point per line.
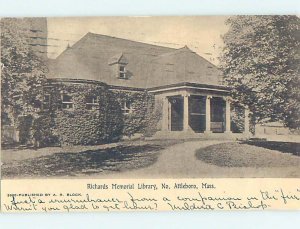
[202, 34]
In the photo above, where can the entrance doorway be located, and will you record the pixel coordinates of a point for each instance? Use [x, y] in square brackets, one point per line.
[197, 113]
[176, 113]
[217, 115]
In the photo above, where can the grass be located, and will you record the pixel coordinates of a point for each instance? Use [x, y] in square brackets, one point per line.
[102, 160]
[284, 147]
[87, 162]
[214, 159]
[247, 154]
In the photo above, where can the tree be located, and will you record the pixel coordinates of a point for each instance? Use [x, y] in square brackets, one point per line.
[22, 72]
[260, 61]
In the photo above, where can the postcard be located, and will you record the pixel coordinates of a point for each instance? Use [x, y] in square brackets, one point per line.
[162, 113]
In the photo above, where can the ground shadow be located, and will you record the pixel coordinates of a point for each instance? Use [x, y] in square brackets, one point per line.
[242, 154]
[118, 158]
[284, 147]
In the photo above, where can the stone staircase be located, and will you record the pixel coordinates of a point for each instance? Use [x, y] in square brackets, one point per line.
[193, 135]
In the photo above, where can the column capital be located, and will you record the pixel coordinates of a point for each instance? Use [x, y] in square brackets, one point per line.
[186, 94]
[227, 98]
[209, 97]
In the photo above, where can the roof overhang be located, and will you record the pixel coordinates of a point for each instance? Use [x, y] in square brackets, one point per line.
[186, 85]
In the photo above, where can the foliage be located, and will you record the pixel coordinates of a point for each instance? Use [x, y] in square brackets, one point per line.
[25, 124]
[260, 61]
[237, 119]
[43, 130]
[153, 117]
[80, 126]
[141, 103]
[23, 72]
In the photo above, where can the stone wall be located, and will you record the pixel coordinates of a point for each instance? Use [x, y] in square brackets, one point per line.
[91, 115]
[78, 122]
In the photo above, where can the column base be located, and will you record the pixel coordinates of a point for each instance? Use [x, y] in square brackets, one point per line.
[247, 133]
[227, 132]
[188, 130]
[208, 132]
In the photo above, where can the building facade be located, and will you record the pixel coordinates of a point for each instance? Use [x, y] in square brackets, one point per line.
[184, 89]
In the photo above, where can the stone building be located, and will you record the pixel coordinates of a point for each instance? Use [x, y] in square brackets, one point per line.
[186, 87]
[103, 88]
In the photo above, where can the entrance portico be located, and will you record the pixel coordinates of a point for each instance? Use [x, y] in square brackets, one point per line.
[196, 108]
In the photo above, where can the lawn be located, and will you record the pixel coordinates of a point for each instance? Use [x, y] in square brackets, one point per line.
[79, 160]
[156, 159]
[257, 154]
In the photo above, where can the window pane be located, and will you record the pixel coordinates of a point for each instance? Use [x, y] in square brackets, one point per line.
[89, 107]
[46, 98]
[122, 69]
[67, 98]
[127, 105]
[67, 105]
[122, 75]
[197, 105]
[91, 99]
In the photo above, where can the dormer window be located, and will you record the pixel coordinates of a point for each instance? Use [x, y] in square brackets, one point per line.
[122, 72]
[118, 65]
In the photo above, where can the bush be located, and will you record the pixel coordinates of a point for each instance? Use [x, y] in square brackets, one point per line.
[43, 131]
[237, 119]
[25, 125]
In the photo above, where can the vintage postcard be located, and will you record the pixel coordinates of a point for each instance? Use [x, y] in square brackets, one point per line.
[150, 113]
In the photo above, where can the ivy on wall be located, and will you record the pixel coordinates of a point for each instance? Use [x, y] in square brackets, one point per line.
[80, 126]
[24, 125]
[103, 124]
[153, 119]
[142, 107]
[44, 131]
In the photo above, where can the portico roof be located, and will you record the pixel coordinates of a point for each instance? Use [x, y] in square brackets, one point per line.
[188, 85]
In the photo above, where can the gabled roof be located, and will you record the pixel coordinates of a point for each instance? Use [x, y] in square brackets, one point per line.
[148, 65]
[119, 58]
[184, 65]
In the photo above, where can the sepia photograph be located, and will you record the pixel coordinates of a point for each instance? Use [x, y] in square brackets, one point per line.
[150, 97]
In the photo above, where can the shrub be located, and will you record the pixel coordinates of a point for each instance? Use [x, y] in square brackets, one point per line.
[43, 131]
[25, 125]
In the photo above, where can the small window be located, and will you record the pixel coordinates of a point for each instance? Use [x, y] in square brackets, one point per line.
[67, 102]
[92, 103]
[122, 72]
[127, 108]
[46, 102]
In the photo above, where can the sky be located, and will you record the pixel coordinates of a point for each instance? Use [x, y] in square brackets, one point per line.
[201, 34]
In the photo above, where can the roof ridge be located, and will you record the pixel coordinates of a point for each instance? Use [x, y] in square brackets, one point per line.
[182, 49]
[125, 39]
[74, 45]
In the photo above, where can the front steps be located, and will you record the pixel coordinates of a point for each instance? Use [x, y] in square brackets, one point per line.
[193, 135]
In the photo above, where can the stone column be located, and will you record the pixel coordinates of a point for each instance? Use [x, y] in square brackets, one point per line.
[165, 114]
[227, 116]
[207, 115]
[247, 121]
[186, 112]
